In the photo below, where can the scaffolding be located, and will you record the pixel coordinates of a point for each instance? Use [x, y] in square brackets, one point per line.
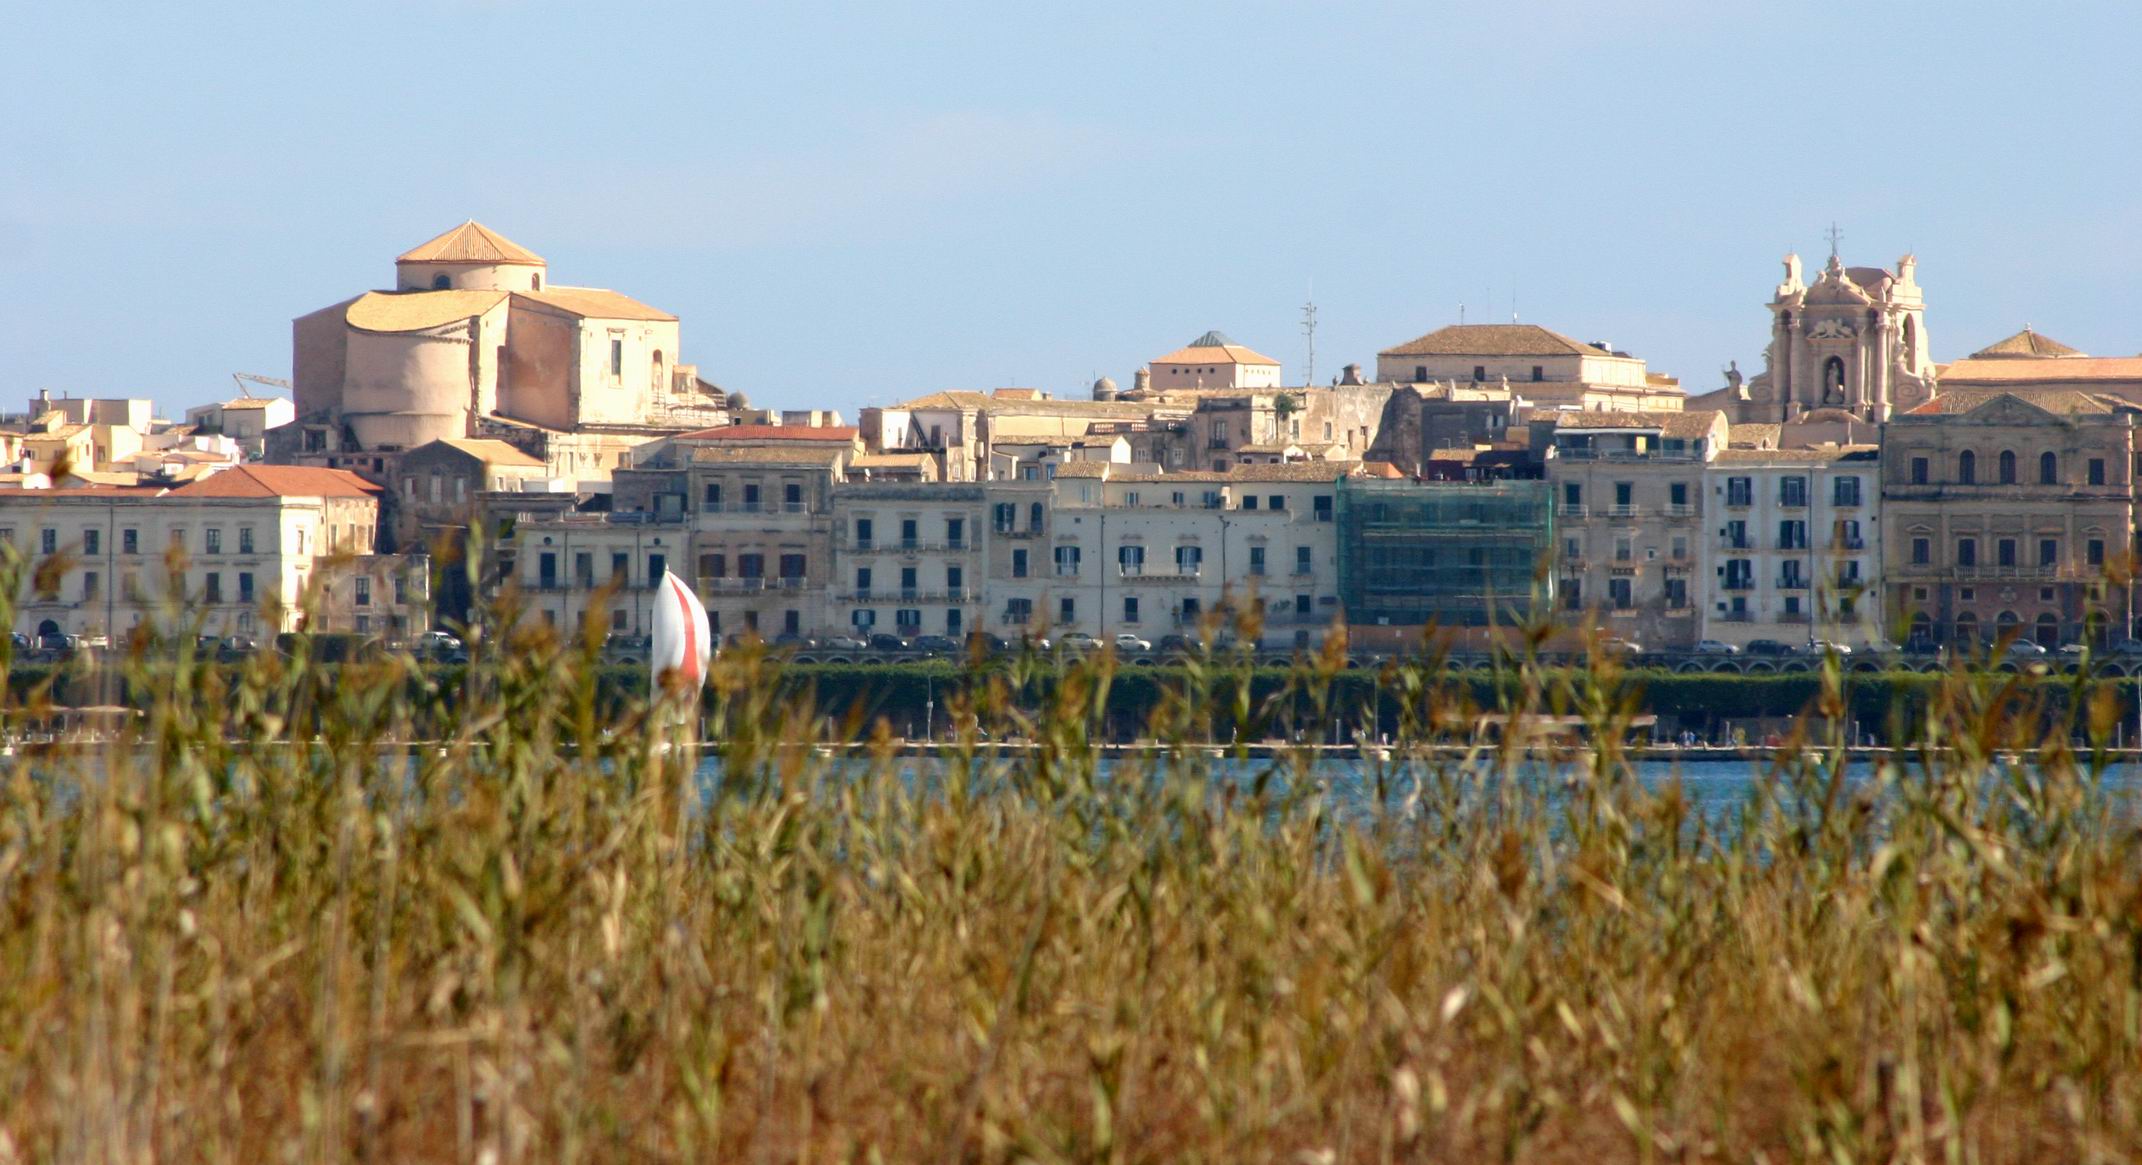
[1453, 553]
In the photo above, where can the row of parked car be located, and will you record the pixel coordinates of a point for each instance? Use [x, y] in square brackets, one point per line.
[887, 643]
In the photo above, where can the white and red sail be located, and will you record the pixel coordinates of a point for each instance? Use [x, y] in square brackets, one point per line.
[683, 643]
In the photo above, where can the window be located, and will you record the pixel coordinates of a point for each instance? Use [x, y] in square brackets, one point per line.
[907, 582]
[2048, 468]
[1847, 534]
[92, 542]
[1739, 491]
[1130, 608]
[747, 566]
[863, 532]
[214, 584]
[955, 579]
[2006, 467]
[2094, 552]
[129, 541]
[862, 580]
[792, 497]
[908, 620]
[1479, 372]
[1034, 515]
[245, 540]
[2097, 471]
[1967, 552]
[1275, 502]
[909, 533]
[1922, 551]
[1792, 491]
[1736, 535]
[1918, 471]
[1792, 535]
[1624, 548]
[1005, 518]
[713, 495]
[657, 566]
[361, 592]
[1067, 610]
[1256, 561]
[2005, 551]
[1539, 373]
[1019, 563]
[1067, 561]
[751, 498]
[617, 359]
[212, 540]
[48, 541]
[620, 566]
[1188, 559]
[1420, 373]
[863, 619]
[89, 585]
[2048, 551]
[710, 566]
[245, 586]
[1249, 501]
[793, 567]
[1844, 491]
[1967, 468]
[1572, 494]
[956, 532]
[1624, 494]
[1620, 594]
[1130, 560]
[1301, 560]
[440, 282]
[1018, 610]
[1677, 494]
[1321, 504]
[1677, 593]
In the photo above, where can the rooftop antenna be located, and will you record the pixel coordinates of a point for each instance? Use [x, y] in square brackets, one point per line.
[1835, 236]
[1309, 333]
[1461, 314]
[1513, 305]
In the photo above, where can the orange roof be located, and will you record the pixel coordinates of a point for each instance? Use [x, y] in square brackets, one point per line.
[595, 303]
[1493, 340]
[2025, 343]
[2041, 370]
[1222, 354]
[772, 433]
[471, 242]
[285, 481]
[415, 311]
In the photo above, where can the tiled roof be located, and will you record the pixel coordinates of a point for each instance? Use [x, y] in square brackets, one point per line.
[492, 451]
[1797, 456]
[1690, 424]
[286, 481]
[250, 402]
[890, 461]
[983, 402]
[844, 434]
[1082, 469]
[2061, 401]
[471, 242]
[766, 455]
[416, 311]
[1493, 340]
[1295, 471]
[2025, 343]
[2041, 370]
[594, 303]
[1756, 434]
[1215, 348]
[1268, 447]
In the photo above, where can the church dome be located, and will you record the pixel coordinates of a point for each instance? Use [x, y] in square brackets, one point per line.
[1104, 389]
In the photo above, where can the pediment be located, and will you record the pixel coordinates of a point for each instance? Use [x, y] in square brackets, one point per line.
[2009, 409]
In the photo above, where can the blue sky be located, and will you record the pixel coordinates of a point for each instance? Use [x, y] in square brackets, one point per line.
[851, 204]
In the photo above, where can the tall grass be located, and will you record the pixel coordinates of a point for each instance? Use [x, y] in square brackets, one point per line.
[266, 927]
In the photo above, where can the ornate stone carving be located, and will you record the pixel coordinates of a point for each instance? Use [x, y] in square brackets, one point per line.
[1831, 330]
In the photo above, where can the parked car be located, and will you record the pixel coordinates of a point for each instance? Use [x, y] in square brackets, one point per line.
[1827, 647]
[1035, 642]
[1716, 647]
[2125, 647]
[1077, 641]
[2074, 649]
[1128, 642]
[794, 640]
[1768, 647]
[983, 641]
[842, 643]
[56, 643]
[1616, 645]
[1175, 645]
[935, 644]
[20, 641]
[2025, 647]
[440, 644]
[887, 641]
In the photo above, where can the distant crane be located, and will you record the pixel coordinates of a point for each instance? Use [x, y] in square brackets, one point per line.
[243, 377]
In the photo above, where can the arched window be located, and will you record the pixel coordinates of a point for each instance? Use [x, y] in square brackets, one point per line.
[1966, 629]
[659, 383]
[440, 282]
[1922, 629]
[2048, 630]
[1911, 339]
[1967, 468]
[2048, 468]
[535, 281]
[2008, 467]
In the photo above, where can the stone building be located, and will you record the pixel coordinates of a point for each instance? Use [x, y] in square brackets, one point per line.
[1855, 340]
[1214, 361]
[1792, 546]
[1543, 366]
[1628, 489]
[2009, 510]
[909, 558]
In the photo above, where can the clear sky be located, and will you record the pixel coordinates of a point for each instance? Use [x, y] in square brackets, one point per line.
[849, 204]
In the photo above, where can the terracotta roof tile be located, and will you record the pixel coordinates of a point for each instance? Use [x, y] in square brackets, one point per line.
[2024, 370]
[288, 481]
[471, 242]
[725, 433]
[2025, 343]
[415, 311]
[767, 455]
[594, 303]
[1493, 340]
[1689, 424]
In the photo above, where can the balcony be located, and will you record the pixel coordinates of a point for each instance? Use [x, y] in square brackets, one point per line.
[1846, 503]
[2043, 573]
[1620, 511]
[749, 585]
[1799, 503]
[1741, 543]
[1792, 583]
[1680, 510]
[913, 595]
[1848, 544]
[1739, 584]
[1575, 510]
[1163, 574]
[1737, 617]
[1792, 617]
[1798, 545]
[754, 508]
[1739, 501]
[1007, 532]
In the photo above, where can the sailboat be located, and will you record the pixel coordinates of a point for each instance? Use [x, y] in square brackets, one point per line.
[683, 643]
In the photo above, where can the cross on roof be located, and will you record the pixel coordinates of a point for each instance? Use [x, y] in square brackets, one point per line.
[1834, 235]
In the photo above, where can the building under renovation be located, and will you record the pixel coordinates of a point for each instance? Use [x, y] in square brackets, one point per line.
[1453, 554]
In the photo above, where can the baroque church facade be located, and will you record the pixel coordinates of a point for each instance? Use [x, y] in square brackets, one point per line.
[1852, 345]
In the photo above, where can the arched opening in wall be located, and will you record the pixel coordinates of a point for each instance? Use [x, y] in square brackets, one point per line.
[2005, 626]
[48, 627]
[2048, 468]
[1967, 630]
[2008, 467]
[440, 282]
[2048, 630]
[1967, 468]
[1922, 631]
[659, 383]
[535, 281]
[1833, 381]
[1911, 342]
[2095, 625]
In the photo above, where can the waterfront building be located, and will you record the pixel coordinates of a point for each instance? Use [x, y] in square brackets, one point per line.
[1464, 557]
[1792, 546]
[909, 558]
[2009, 510]
[1629, 494]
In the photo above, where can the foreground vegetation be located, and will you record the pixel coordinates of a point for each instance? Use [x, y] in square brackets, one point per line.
[543, 939]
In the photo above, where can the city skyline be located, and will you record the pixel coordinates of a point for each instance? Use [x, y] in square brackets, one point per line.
[1022, 201]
